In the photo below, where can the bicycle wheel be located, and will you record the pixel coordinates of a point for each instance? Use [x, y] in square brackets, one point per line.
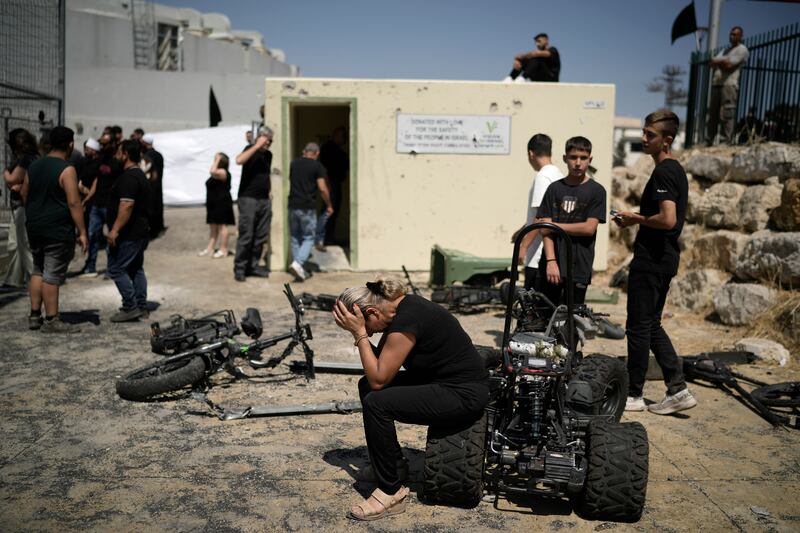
[161, 377]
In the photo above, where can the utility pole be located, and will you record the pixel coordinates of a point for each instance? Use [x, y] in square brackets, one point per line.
[713, 25]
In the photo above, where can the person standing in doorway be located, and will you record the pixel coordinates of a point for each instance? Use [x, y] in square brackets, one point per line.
[656, 255]
[255, 206]
[540, 148]
[128, 211]
[306, 177]
[336, 161]
[53, 211]
[725, 88]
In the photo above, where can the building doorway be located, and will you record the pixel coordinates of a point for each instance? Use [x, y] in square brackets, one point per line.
[329, 125]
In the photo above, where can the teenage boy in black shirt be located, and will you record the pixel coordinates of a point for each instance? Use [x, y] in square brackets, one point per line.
[576, 204]
[656, 255]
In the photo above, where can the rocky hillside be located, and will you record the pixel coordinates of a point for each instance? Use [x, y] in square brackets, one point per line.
[741, 241]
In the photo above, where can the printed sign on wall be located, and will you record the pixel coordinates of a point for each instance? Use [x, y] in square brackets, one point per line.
[454, 134]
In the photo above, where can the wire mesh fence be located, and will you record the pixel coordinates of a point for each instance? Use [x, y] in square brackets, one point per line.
[31, 77]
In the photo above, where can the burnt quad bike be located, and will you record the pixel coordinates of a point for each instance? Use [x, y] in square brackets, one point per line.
[552, 425]
[205, 346]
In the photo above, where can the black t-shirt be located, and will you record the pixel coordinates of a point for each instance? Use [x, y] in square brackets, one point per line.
[108, 171]
[443, 352]
[132, 184]
[87, 172]
[303, 176]
[569, 204]
[656, 250]
[46, 211]
[156, 161]
[255, 175]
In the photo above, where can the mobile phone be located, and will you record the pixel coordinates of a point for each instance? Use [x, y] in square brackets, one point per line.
[614, 213]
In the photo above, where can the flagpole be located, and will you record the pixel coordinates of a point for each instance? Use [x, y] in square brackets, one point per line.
[713, 25]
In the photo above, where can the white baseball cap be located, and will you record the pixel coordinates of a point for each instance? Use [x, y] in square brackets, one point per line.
[148, 138]
[93, 144]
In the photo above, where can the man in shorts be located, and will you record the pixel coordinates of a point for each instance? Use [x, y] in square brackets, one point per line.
[53, 210]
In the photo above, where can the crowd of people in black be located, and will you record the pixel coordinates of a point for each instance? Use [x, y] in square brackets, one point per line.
[110, 196]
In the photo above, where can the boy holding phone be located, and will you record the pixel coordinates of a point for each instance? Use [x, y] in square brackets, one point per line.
[576, 204]
[656, 255]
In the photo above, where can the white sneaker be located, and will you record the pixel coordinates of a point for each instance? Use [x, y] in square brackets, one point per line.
[508, 79]
[203, 253]
[520, 79]
[296, 269]
[634, 403]
[218, 254]
[674, 403]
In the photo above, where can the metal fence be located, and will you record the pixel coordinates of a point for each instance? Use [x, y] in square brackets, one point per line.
[31, 78]
[768, 107]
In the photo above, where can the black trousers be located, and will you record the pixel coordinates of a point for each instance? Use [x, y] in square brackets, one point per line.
[647, 293]
[411, 402]
[255, 218]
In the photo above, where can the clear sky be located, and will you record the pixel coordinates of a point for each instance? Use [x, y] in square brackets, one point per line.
[625, 42]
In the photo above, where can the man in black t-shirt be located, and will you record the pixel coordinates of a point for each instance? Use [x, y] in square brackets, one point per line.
[576, 204]
[656, 255]
[306, 176]
[542, 64]
[337, 162]
[255, 206]
[128, 211]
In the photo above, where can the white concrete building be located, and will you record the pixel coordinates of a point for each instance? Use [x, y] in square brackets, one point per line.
[140, 64]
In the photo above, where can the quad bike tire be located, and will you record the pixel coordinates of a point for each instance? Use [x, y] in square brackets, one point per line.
[161, 377]
[779, 395]
[609, 330]
[608, 378]
[454, 464]
[616, 479]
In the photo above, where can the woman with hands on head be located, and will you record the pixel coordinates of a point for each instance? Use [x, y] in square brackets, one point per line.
[444, 382]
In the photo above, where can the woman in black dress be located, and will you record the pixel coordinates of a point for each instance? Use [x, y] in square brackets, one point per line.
[219, 207]
[444, 381]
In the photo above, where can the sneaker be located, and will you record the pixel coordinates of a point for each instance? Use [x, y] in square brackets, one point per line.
[520, 79]
[320, 247]
[88, 274]
[238, 276]
[634, 403]
[368, 473]
[674, 403]
[218, 254]
[204, 253]
[126, 315]
[56, 325]
[296, 269]
[35, 322]
[145, 312]
[508, 79]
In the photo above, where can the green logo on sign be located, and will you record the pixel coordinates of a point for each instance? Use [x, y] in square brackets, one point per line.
[491, 126]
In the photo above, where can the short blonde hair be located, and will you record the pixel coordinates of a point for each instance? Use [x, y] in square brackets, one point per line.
[374, 294]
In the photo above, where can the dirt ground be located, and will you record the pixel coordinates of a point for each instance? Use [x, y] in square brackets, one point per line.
[77, 457]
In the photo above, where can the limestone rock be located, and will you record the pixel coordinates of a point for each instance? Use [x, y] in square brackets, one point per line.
[771, 256]
[696, 207]
[722, 200]
[790, 323]
[711, 166]
[760, 161]
[756, 204]
[689, 235]
[642, 167]
[694, 290]
[765, 349]
[718, 250]
[738, 304]
[786, 217]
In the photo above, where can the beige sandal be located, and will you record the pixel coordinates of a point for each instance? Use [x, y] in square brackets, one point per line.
[380, 505]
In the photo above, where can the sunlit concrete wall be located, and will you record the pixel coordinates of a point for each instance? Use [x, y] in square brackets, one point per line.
[401, 203]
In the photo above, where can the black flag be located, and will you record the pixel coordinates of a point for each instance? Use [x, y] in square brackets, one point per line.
[685, 24]
[214, 114]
